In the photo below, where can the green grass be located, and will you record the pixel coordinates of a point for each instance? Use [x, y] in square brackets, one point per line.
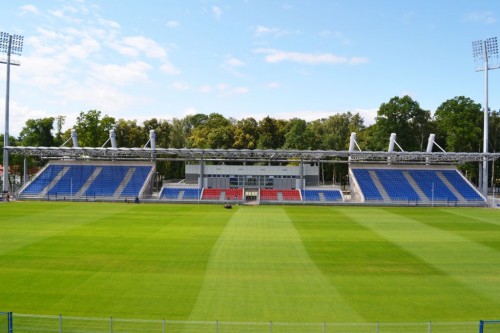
[288, 264]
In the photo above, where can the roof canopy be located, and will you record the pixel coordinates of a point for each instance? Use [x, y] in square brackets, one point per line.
[327, 156]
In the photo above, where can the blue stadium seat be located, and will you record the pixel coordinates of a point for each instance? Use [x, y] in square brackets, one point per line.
[314, 195]
[108, 181]
[310, 195]
[173, 193]
[44, 179]
[396, 185]
[366, 184]
[191, 194]
[433, 187]
[136, 182]
[73, 180]
[170, 193]
[332, 195]
[462, 186]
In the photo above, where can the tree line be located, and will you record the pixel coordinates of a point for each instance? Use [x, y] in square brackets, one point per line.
[457, 124]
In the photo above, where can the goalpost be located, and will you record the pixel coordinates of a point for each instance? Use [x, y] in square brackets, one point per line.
[489, 326]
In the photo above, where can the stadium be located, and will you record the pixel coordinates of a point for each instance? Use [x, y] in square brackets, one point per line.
[250, 238]
[408, 247]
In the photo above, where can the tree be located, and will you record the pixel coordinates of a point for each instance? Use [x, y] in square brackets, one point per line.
[58, 140]
[297, 136]
[92, 130]
[403, 116]
[459, 122]
[38, 132]
[333, 133]
[162, 131]
[181, 130]
[246, 134]
[129, 134]
[215, 132]
[177, 133]
[269, 135]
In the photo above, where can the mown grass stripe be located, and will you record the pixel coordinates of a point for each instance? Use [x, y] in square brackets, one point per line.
[477, 225]
[475, 266]
[260, 271]
[138, 261]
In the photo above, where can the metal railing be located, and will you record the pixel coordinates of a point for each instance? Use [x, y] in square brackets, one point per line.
[23, 323]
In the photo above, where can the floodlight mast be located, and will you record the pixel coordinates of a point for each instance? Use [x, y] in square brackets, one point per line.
[485, 52]
[10, 45]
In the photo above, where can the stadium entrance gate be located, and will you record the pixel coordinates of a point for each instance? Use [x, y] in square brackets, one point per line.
[251, 194]
[6, 322]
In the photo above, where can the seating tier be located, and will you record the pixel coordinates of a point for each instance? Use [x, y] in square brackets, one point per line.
[367, 185]
[98, 180]
[416, 185]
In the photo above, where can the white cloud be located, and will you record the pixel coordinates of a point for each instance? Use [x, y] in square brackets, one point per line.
[45, 72]
[368, 115]
[190, 111]
[109, 24]
[205, 89]
[30, 9]
[223, 89]
[73, 66]
[168, 68]
[121, 75]
[181, 86]
[261, 31]
[146, 46]
[275, 56]
[125, 50]
[96, 95]
[136, 45]
[233, 62]
[272, 85]
[84, 49]
[173, 24]
[18, 115]
[486, 17]
[217, 12]
[57, 13]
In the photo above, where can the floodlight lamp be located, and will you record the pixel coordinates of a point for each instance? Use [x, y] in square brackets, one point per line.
[17, 44]
[4, 42]
[492, 46]
[11, 45]
[477, 50]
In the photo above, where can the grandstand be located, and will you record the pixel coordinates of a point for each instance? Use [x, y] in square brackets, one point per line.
[412, 184]
[69, 179]
[262, 184]
[176, 193]
[388, 184]
[255, 176]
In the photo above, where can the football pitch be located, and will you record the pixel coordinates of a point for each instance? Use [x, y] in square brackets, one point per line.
[250, 264]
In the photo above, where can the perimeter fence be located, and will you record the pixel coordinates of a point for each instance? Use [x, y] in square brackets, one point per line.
[23, 323]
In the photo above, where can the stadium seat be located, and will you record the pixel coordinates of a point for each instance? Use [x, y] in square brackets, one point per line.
[366, 184]
[396, 185]
[462, 186]
[432, 185]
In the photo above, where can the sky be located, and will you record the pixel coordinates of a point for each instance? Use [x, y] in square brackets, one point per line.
[310, 59]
